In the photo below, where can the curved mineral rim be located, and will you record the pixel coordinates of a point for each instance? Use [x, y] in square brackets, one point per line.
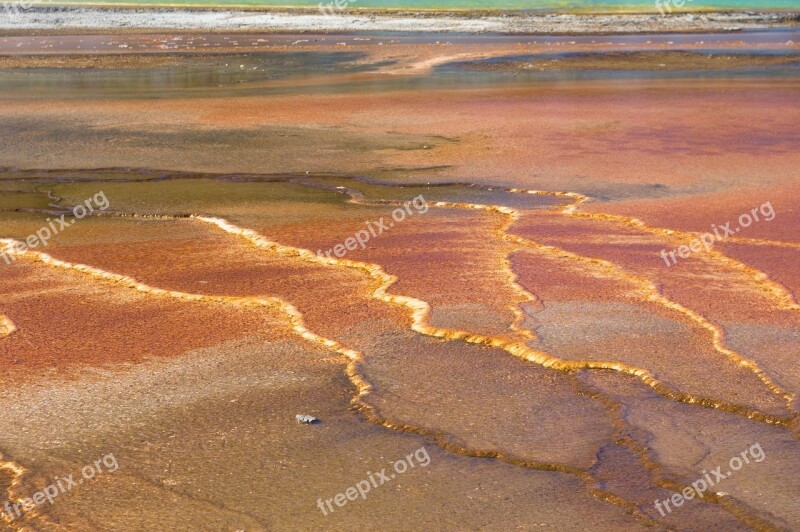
[354, 360]
[420, 311]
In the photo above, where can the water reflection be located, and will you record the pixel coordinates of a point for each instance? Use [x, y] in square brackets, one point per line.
[188, 73]
[307, 72]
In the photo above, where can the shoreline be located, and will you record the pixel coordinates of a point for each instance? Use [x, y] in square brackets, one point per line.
[129, 18]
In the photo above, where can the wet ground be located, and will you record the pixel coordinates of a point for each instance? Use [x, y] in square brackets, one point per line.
[516, 319]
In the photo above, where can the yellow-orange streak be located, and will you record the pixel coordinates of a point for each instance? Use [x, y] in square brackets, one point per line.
[579, 199]
[510, 216]
[519, 318]
[420, 310]
[518, 325]
[294, 315]
[354, 360]
[761, 242]
[419, 325]
[775, 291]
[646, 288]
[650, 292]
[16, 472]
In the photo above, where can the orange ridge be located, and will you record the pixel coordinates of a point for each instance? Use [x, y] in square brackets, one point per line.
[646, 288]
[774, 290]
[506, 262]
[355, 358]
[16, 472]
[420, 310]
[650, 292]
[727, 503]
[7, 328]
[519, 313]
[761, 242]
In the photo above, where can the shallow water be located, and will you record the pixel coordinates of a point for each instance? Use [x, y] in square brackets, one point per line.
[198, 74]
[190, 73]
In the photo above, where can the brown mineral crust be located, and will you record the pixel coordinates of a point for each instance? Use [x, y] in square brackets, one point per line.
[76, 322]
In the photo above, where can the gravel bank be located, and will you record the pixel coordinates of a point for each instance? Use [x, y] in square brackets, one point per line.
[96, 18]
